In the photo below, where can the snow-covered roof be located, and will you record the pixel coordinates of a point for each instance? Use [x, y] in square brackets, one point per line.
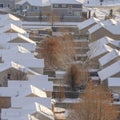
[105, 41]
[109, 57]
[98, 50]
[39, 81]
[11, 64]
[65, 2]
[87, 23]
[109, 71]
[101, 41]
[17, 102]
[28, 109]
[110, 25]
[9, 17]
[114, 82]
[105, 4]
[35, 2]
[13, 27]
[16, 52]
[8, 37]
[30, 63]
[95, 28]
[22, 91]
[4, 22]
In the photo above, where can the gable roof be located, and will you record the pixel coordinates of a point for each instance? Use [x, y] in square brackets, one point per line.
[87, 23]
[98, 50]
[95, 28]
[17, 102]
[8, 37]
[105, 41]
[109, 71]
[65, 2]
[26, 110]
[9, 17]
[111, 26]
[101, 41]
[35, 2]
[114, 82]
[5, 66]
[41, 83]
[15, 28]
[109, 57]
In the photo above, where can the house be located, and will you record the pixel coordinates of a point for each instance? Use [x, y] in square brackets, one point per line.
[8, 4]
[109, 58]
[17, 102]
[11, 28]
[99, 48]
[12, 70]
[111, 71]
[67, 8]
[10, 40]
[114, 84]
[9, 18]
[87, 24]
[105, 41]
[30, 7]
[102, 29]
[34, 110]
[97, 52]
[39, 81]
[16, 52]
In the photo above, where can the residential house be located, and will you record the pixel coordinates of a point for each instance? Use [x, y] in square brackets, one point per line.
[8, 4]
[34, 110]
[11, 28]
[87, 24]
[9, 18]
[12, 70]
[111, 71]
[97, 52]
[102, 29]
[66, 8]
[109, 58]
[30, 7]
[39, 81]
[11, 40]
[99, 48]
[114, 84]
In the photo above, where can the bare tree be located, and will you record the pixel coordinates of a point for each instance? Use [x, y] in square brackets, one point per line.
[67, 43]
[77, 76]
[52, 51]
[57, 52]
[95, 104]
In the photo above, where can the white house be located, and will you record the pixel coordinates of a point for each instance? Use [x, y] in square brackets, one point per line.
[109, 58]
[35, 109]
[114, 84]
[111, 71]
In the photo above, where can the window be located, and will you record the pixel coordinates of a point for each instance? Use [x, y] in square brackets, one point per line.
[8, 6]
[1, 5]
[63, 6]
[27, 7]
[35, 8]
[70, 9]
[56, 6]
